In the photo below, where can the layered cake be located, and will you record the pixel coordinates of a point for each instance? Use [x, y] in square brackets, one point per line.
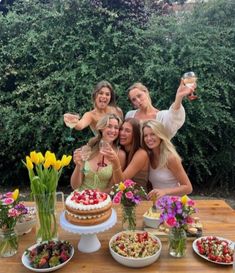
[88, 207]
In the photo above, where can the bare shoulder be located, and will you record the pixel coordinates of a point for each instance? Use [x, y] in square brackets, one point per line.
[173, 161]
[141, 153]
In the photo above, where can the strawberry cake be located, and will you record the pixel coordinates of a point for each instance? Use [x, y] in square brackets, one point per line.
[88, 207]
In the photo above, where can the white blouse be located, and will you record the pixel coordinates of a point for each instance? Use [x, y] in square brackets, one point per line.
[171, 119]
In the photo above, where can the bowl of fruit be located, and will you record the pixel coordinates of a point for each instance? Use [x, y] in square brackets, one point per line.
[135, 248]
[47, 256]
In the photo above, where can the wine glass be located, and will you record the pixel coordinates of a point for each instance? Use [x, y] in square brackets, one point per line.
[189, 79]
[103, 145]
[85, 152]
[71, 119]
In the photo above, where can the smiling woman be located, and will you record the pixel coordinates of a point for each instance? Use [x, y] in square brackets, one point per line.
[103, 98]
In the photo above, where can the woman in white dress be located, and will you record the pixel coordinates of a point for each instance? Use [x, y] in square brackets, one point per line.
[172, 119]
[166, 172]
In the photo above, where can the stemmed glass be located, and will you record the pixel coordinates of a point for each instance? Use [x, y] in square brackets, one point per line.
[189, 79]
[71, 119]
[85, 154]
[103, 145]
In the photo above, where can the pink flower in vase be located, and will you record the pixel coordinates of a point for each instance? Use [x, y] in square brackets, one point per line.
[117, 199]
[128, 183]
[171, 221]
[129, 195]
[8, 201]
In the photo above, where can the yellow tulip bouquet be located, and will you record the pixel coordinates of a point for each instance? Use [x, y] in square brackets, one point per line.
[44, 173]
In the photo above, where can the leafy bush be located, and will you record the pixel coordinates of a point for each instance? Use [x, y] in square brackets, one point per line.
[54, 52]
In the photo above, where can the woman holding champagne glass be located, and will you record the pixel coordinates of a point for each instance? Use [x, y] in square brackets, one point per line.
[97, 171]
[103, 98]
[172, 119]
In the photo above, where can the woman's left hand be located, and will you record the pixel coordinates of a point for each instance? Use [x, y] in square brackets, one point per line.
[156, 192]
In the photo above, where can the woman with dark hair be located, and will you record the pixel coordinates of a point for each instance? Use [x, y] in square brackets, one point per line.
[91, 174]
[172, 119]
[103, 98]
[137, 161]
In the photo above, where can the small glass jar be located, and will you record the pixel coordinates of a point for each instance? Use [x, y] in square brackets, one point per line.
[128, 218]
[8, 242]
[177, 242]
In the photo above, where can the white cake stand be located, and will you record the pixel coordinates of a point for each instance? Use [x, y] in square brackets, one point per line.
[88, 242]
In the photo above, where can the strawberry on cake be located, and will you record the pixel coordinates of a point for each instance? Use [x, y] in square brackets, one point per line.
[88, 207]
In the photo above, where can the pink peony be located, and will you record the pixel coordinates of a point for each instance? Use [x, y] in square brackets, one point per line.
[128, 183]
[129, 195]
[171, 221]
[8, 201]
[116, 199]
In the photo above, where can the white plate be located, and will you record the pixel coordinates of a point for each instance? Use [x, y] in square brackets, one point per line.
[231, 244]
[26, 262]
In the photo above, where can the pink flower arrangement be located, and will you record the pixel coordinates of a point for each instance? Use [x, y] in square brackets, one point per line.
[176, 211]
[10, 209]
[127, 193]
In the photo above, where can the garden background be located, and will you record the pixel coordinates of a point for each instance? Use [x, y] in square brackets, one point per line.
[53, 52]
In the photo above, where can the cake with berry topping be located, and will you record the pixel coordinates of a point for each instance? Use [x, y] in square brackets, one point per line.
[88, 207]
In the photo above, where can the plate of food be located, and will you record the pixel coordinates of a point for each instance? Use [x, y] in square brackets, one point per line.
[215, 249]
[135, 248]
[47, 256]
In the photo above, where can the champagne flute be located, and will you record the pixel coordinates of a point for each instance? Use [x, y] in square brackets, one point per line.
[103, 145]
[189, 79]
[85, 155]
[71, 119]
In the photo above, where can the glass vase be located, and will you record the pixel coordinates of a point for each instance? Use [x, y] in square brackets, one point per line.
[8, 242]
[128, 218]
[177, 242]
[46, 226]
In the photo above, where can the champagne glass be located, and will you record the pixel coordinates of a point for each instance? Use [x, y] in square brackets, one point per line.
[71, 119]
[189, 79]
[85, 155]
[103, 145]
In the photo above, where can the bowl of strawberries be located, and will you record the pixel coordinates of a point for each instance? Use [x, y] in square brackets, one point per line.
[47, 256]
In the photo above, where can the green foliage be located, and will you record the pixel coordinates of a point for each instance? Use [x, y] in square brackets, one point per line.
[53, 52]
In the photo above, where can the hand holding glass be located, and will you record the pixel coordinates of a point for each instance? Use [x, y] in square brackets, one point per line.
[103, 145]
[71, 120]
[189, 79]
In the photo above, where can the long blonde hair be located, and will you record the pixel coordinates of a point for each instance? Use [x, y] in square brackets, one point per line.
[166, 146]
[102, 124]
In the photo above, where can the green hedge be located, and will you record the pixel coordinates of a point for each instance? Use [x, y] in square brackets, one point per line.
[53, 52]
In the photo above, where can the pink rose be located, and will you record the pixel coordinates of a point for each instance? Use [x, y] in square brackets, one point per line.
[128, 183]
[8, 201]
[8, 194]
[119, 194]
[129, 195]
[191, 203]
[116, 199]
[13, 213]
[189, 220]
[171, 221]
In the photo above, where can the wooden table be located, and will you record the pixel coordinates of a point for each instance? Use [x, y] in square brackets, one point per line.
[217, 218]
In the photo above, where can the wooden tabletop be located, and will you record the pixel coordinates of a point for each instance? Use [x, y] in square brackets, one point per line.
[217, 217]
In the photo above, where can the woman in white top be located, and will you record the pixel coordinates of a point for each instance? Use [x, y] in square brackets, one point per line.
[172, 119]
[166, 172]
[103, 98]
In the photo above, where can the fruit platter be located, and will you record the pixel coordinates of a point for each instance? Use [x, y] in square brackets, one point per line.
[47, 256]
[215, 249]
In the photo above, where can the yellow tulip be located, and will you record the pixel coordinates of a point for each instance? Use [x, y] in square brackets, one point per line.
[47, 154]
[57, 165]
[41, 157]
[34, 157]
[184, 199]
[15, 194]
[47, 164]
[29, 163]
[121, 186]
[65, 160]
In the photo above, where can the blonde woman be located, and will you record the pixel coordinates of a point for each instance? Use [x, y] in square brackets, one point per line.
[166, 172]
[103, 98]
[91, 174]
[172, 119]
